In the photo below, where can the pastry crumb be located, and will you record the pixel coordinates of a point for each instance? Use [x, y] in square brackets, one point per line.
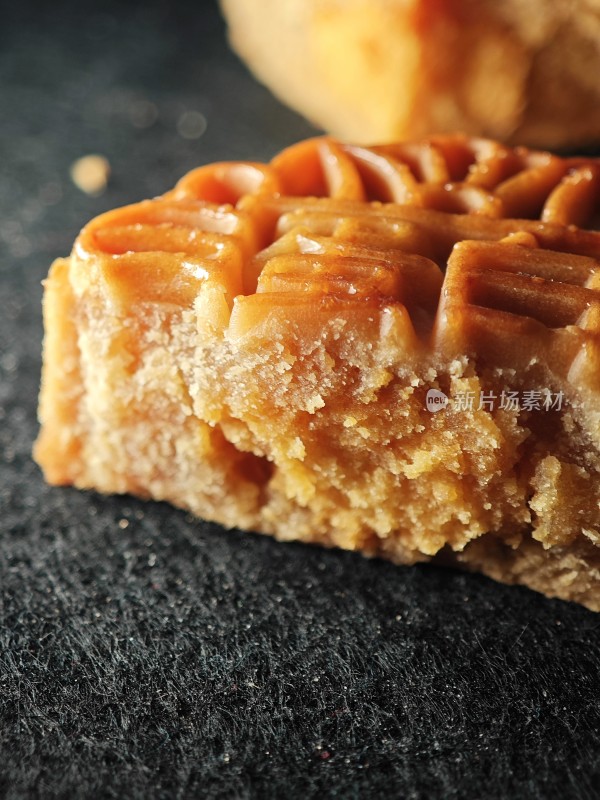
[90, 174]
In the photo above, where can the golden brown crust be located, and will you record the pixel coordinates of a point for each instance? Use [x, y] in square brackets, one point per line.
[378, 70]
[258, 346]
[59, 443]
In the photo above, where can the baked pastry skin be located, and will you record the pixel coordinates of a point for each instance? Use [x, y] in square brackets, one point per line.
[521, 71]
[264, 345]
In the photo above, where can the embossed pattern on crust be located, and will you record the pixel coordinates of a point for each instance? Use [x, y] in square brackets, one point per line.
[345, 248]
[301, 229]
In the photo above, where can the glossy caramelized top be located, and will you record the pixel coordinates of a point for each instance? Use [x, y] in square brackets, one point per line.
[451, 236]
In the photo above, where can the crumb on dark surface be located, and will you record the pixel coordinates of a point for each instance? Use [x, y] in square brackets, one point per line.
[144, 654]
[90, 173]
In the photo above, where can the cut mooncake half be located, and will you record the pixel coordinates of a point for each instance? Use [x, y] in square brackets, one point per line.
[394, 350]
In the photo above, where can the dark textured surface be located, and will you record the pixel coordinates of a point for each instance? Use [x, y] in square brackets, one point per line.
[144, 654]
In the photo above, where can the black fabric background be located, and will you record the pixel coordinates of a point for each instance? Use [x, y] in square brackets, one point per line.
[145, 654]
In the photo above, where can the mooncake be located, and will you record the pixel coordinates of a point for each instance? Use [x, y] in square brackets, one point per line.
[392, 349]
[522, 71]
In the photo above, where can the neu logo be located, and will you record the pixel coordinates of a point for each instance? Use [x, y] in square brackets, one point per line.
[435, 400]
